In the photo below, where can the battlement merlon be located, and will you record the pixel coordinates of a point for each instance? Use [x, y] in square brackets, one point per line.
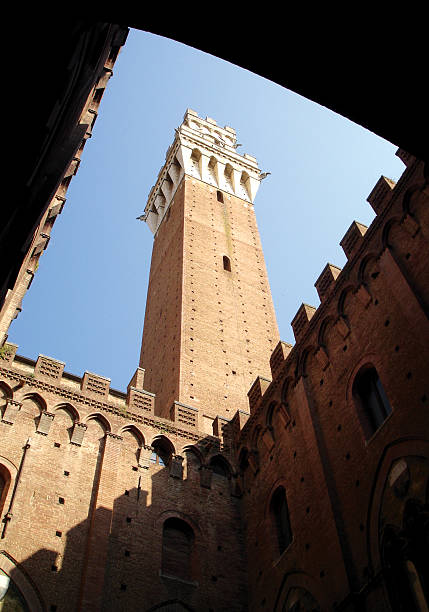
[203, 150]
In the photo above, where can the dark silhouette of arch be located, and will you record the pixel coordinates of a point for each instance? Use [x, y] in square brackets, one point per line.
[285, 390]
[342, 301]
[407, 200]
[303, 360]
[325, 327]
[256, 436]
[243, 459]
[365, 266]
[220, 466]
[270, 414]
[6, 389]
[387, 229]
[194, 451]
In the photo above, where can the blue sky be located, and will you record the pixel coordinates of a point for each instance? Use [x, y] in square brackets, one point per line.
[86, 304]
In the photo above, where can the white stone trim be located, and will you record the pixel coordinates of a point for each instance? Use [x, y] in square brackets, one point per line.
[207, 152]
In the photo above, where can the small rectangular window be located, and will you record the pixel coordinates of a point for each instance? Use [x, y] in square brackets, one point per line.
[219, 196]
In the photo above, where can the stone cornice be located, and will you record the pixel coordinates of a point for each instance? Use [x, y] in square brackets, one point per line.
[80, 398]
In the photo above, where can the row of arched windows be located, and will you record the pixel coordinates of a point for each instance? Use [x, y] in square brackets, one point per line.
[163, 451]
[66, 416]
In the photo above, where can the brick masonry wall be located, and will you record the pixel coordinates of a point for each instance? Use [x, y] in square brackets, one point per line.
[160, 352]
[228, 319]
[208, 332]
[86, 517]
[316, 446]
[83, 515]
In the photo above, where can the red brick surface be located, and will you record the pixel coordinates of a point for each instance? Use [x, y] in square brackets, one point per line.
[84, 510]
[208, 332]
[322, 457]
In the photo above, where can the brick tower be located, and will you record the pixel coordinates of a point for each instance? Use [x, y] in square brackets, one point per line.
[210, 325]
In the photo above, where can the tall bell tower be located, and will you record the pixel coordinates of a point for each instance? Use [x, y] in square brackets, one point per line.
[210, 325]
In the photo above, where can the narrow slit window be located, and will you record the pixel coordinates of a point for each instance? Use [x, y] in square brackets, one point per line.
[219, 196]
[226, 263]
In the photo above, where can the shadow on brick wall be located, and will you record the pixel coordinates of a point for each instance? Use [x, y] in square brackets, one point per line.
[114, 559]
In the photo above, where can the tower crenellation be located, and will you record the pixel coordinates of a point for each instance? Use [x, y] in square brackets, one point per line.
[207, 152]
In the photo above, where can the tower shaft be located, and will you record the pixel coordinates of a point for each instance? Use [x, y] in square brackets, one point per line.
[210, 325]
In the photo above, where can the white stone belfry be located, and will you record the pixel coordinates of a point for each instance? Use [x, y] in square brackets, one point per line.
[207, 152]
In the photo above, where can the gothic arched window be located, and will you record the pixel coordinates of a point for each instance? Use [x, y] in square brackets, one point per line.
[280, 519]
[219, 466]
[162, 451]
[373, 405]
[177, 549]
